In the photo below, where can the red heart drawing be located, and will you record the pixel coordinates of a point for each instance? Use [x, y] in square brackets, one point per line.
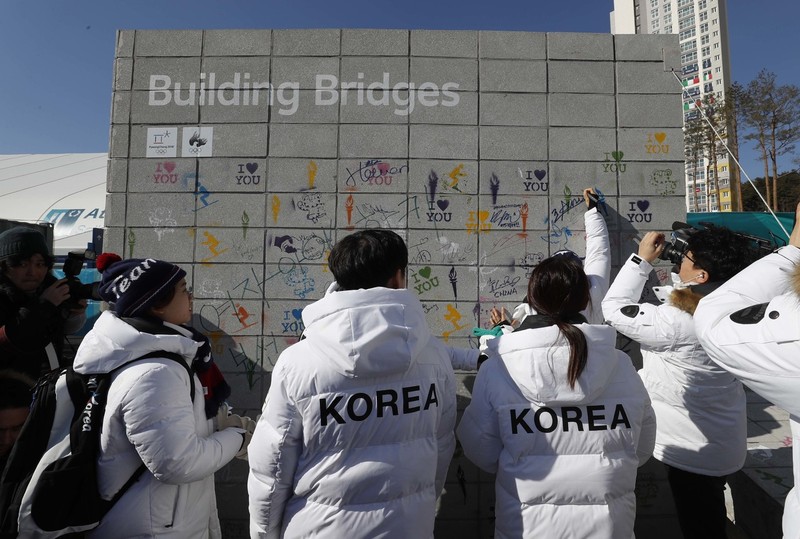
[169, 166]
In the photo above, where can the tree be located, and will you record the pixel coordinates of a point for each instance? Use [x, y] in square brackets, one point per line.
[788, 193]
[733, 144]
[701, 143]
[692, 149]
[770, 115]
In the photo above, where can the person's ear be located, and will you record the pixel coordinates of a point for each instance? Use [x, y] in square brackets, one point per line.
[702, 277]
[397, 281]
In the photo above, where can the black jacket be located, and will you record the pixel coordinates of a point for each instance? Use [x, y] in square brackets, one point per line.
[27, 325]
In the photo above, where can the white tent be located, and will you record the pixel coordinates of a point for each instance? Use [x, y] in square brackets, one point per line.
[67, 190]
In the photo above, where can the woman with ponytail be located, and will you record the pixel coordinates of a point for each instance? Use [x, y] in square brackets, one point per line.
[560, 416]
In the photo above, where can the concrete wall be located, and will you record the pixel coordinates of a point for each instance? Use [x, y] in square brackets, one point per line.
[480, 167]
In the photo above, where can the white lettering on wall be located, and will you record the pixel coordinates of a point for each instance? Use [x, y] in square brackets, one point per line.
[241, 91]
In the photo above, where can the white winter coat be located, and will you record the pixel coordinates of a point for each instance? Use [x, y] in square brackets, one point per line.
[357, 428]
[701, 408]
[151, 418]
[751, 327]
[596, 265]
[565, 458]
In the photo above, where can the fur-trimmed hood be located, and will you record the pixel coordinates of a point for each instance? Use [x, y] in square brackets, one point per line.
[686, 299]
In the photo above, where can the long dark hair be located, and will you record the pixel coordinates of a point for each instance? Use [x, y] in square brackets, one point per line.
[559, 290]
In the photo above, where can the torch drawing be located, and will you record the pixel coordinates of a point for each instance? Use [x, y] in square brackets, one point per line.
[131, 242]
[453, 275]
[523, 212]
[276, 208]
[433, 181]
[312, 173]
[494, 185]
[245, 222]
[348, 205]
[567, 194]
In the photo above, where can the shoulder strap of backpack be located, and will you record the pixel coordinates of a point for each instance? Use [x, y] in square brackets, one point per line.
[158, 354]
[162, 354]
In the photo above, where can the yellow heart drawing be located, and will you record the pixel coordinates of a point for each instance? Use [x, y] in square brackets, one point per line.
[660, 137]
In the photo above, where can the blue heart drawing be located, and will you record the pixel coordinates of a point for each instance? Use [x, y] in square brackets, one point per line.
[297, 313]
[540, 174]
[643, 205]
[252, 167]
[442, 204]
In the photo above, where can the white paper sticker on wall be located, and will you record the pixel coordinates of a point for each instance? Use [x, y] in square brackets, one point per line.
[162, 142]
[197, 142]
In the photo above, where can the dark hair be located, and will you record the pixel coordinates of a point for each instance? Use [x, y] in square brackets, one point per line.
[559, 289]
[15, 390]
[165, 298]
[720, 252]
[367, 259]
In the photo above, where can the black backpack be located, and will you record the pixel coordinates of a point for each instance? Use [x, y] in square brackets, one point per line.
[49, 485]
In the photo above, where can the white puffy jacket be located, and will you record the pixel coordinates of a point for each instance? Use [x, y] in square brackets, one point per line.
[751, 327]
[151, 418]
[700, 407]
[565, 458]
[356, 433]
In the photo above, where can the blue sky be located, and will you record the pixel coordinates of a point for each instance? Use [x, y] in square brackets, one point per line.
[56, 57]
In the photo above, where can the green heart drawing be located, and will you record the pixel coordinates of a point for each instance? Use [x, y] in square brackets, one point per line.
[425, 272]
[617, 156]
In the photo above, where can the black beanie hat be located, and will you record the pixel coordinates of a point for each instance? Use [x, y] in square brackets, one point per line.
[132, 286]
[22, 242]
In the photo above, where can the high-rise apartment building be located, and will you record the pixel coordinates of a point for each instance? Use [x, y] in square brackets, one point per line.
[702, 28]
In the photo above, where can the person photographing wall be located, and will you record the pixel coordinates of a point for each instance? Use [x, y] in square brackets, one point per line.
[700, 407]
[35, 311]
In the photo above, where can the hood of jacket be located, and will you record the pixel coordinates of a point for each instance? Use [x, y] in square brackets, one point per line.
[367, 332]
[538, 360]
[113, 342]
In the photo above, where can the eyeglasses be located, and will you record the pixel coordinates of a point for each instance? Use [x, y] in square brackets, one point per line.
[686, 255]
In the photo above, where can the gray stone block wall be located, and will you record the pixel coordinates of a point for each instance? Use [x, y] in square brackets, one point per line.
[475, 146]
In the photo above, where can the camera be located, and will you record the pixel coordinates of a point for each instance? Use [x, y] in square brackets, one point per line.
[78, 290]
[675, 250]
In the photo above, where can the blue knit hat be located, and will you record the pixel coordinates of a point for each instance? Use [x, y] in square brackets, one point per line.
[22, 242]
[134, 285]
